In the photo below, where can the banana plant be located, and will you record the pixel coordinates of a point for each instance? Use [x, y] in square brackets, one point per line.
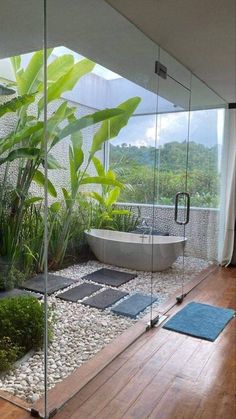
[106, 200]
[26, 142]
[79, 176]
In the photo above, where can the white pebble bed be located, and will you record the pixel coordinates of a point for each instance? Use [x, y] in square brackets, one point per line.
[80, 331]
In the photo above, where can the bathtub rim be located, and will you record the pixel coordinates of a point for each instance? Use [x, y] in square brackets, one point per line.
[151, 243]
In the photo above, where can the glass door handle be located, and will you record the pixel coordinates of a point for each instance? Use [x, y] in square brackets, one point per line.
[187, 197]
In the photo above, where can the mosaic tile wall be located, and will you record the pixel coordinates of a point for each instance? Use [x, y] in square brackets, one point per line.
[201, 232]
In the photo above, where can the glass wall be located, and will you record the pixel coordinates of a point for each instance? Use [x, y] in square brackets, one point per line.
[110, 179]
[22, 160]
[208, 112]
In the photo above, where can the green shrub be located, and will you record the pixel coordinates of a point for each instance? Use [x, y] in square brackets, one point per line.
[21, 327]
[126, 222]
[9, 353]
[15, 278]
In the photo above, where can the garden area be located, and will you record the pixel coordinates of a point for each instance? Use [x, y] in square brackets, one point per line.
[81, 194]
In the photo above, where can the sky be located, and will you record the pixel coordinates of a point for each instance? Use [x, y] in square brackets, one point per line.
[206, 127]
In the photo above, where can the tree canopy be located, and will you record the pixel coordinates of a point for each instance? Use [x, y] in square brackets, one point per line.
[156, 175]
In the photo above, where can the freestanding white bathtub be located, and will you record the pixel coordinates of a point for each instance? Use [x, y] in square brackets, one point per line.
[135, 251]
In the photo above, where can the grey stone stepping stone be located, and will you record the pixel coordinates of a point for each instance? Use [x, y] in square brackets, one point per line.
[18, 293]
[55, 283]
[134, 305]
[105, 298]
[79, 292]
[109, 277]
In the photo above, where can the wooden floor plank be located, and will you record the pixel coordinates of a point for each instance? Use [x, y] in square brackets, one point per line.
[10, 411]
[127, 395]
[123, 376]
[141, 354]
[179, 402]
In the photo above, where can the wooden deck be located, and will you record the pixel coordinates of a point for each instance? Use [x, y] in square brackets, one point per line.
[164, 374]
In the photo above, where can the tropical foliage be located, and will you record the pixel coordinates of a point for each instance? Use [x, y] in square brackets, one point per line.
[22, 151]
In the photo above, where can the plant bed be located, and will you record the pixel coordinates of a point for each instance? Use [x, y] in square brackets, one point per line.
[80, 331]
[21, 328]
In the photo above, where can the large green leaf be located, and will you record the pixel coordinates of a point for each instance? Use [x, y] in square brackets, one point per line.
[28, 81]
[97, 197]
[16, 63]
[62, 112]
[18, 71]
[21, 153]
[98, 166]
[53, 163]
[16, 137]
[113, 196]
[68, 81]
[16, 103]
[111, 128]
[67, 197]
[39, 178]
[100, 180]
[110, 174]
[53, 125]
[87, 121]
[58, 67]
[77, 141]
[73, 171]
[33, 200]
[55, 207]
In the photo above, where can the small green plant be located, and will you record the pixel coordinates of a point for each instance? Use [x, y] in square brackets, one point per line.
[126, 222]
[21, 327]
[11, 279]
[105, 212]
[9, 353]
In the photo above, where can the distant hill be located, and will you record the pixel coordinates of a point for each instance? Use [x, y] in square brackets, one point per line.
[171, 157]
[157, 175]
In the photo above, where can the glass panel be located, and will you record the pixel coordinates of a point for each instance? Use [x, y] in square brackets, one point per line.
[111, 98]
[22, 319]
[170, 212]
[205, 154]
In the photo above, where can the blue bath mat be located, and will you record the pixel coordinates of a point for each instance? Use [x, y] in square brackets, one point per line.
[200, 320]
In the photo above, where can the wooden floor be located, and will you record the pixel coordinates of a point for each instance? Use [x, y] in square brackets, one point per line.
[165, 374]
[169, 375]
[9, 411]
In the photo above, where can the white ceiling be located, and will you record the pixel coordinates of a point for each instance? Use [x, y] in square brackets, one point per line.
[199, 33]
